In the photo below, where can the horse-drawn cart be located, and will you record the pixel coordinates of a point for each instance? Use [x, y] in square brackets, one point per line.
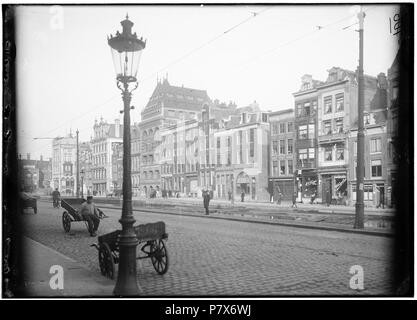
[152, 236]
[73, 213]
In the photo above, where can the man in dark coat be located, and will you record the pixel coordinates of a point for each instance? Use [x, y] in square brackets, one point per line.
[294, 200]
[206, 201]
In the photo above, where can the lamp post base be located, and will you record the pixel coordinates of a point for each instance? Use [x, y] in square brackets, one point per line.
[359, 216]
[127, 284]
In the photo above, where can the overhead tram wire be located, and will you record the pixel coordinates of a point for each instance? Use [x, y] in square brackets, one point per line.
[254, 15]
[77, 117]
[319, 29]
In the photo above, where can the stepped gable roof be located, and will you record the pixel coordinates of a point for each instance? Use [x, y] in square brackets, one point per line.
[177, 97]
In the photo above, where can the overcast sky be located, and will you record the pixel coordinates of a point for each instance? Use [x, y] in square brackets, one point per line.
[66, 80]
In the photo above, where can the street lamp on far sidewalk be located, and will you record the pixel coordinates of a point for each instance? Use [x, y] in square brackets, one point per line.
[126, 50]
[82, 172]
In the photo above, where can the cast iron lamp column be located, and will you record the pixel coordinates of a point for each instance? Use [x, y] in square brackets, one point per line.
[126, 49]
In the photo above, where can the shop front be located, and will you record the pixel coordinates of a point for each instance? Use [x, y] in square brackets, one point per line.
[333, 187]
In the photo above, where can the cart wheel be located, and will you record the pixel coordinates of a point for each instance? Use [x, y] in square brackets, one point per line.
[159, 256]
[66, 222]
[106, 262]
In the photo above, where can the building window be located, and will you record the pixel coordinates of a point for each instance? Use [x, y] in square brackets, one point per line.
[328, 104]
[376, 166]
[274, 147]
[302, 132]
[289, 146]
[282, 128]
[375, 145]
[302, 154]
[282, 146]
[275, 168]
[306, 109]
[290, 167]
[218, 151]
[328, 154]
[275, 128]
[252, 142]
[311, 153]
[311, 130]
[241, 147]
[290, 126]
[229, 151]
[340, 153]
[327, 127]
[299, 110]
[339, 102]
[282, 167]
[339, 125]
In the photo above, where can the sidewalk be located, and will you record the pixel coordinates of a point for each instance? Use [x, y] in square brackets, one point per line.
[78, 281]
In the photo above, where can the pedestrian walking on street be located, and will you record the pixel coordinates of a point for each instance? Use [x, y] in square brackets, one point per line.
[91, 214]
[206, 201]
[55, 198]
[242, 196]
[294, 200]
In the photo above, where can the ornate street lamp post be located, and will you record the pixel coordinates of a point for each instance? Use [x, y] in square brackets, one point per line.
[126, 50]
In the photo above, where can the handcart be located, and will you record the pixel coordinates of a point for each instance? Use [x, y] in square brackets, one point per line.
[151, 237]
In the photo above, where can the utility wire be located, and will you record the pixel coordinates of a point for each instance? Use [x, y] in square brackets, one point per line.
[254, 15]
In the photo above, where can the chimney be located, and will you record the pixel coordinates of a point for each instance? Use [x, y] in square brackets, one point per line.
[382, 81]
[117, 128]
[28, 156]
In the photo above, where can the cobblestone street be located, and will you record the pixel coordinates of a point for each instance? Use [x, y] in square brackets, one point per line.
[220, 257]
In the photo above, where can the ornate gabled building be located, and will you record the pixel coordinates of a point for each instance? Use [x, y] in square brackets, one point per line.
[337, 114]
[167, 105]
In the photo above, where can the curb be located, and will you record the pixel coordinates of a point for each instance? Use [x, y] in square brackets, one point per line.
[285, 224]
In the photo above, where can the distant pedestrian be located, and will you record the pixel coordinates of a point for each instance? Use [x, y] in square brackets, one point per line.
[313, 197]
[279, 198]
[294, 200]
[242, 196]
[206, 201]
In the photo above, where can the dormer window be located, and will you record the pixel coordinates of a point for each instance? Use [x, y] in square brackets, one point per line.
[243, 118]
[306, 86]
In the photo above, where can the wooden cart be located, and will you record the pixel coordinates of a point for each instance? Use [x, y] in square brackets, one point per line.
[72, 213]
[151, 236]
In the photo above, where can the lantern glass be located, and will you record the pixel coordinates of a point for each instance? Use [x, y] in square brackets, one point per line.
[126, 64]
[126, 50]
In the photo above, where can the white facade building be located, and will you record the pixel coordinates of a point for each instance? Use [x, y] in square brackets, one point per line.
[105, 135]
[64, 165]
